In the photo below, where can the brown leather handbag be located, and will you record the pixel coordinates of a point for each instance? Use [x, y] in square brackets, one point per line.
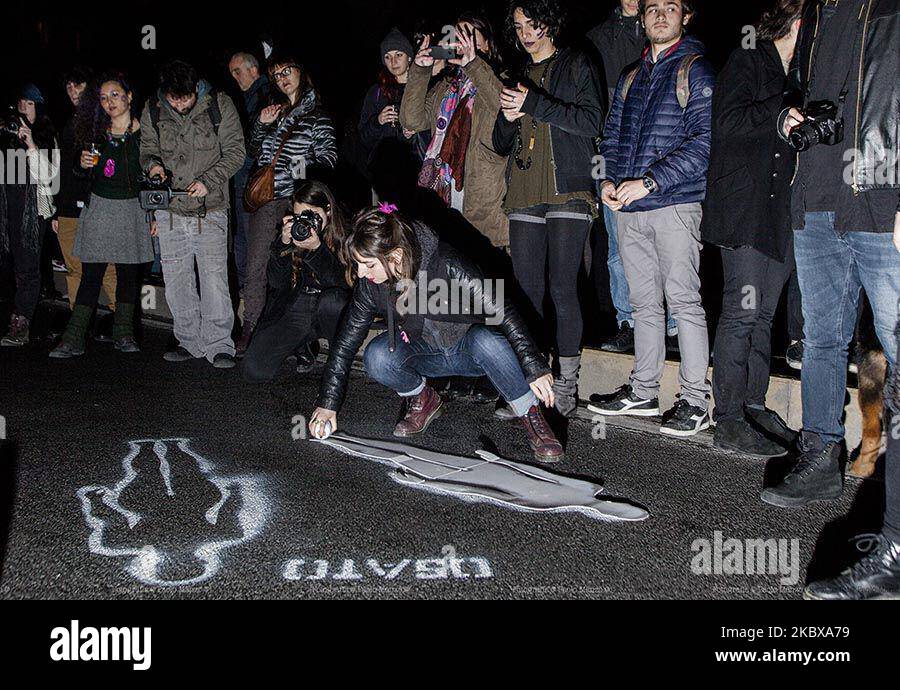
[260, 189]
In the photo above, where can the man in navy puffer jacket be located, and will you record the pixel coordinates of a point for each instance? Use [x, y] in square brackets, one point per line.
[656, 153]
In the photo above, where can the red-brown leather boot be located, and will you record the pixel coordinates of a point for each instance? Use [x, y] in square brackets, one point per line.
[541, 437]
[420, 410]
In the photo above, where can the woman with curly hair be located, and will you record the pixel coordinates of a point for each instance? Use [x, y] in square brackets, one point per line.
[550, 116]
[113, 228]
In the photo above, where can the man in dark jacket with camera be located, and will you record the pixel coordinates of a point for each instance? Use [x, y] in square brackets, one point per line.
[846, 217]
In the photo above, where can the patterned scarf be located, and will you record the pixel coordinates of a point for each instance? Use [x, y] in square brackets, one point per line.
[445, 159]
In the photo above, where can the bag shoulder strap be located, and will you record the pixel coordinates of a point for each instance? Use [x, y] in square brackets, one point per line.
[154, 114]
[629, 80]
[683, 80]
[284, 141]
[215, 113]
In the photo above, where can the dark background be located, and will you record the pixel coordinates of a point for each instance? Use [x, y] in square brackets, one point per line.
[337, 39]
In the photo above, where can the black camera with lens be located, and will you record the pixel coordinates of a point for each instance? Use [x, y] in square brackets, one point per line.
[823, 125]
[156, 194]
[305, 223]
[11, 122]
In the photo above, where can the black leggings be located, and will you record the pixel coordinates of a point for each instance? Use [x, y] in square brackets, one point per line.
[92, 278]
[547, 243]
[309, 318]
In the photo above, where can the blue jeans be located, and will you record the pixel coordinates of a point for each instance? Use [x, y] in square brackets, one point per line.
[480, 351]
[618, 284]
[832, 268]
[242, 221]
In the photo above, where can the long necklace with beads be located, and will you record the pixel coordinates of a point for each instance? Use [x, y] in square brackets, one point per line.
[520, 144]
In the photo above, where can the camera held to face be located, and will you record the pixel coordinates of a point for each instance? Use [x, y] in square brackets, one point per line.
[11, 122]
[303, 224]
[156, 194]
[822, 125]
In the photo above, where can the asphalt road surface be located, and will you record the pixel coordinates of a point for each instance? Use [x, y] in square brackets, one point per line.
[131, 477]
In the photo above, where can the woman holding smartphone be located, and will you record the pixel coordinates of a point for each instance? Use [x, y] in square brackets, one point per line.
[391, 258]
[113, 228]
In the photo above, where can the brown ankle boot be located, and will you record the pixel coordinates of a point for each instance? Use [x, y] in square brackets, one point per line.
[240, 347]
[541, 437]
[420, 410]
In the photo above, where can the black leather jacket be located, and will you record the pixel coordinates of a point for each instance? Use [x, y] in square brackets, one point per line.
[878, 100]
[370, 300]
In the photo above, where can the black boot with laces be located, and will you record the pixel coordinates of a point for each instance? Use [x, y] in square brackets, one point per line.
[876, 576]
[815, 477]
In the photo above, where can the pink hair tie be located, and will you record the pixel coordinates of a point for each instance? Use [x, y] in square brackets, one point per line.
[387, 208]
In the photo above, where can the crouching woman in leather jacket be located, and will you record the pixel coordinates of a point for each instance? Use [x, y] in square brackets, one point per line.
[469, 330]
[307, 285]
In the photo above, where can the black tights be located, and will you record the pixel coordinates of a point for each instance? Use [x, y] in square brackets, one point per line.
[92, 279]
[546, 248]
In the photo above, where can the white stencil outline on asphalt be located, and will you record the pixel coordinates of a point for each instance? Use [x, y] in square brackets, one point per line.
[144, 563]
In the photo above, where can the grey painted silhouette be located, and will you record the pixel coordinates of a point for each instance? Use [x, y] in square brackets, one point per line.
[488, 478]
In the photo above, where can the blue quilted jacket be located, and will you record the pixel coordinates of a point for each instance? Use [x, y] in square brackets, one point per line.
[650, 135]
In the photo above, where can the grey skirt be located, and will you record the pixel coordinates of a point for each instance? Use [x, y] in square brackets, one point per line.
[114, 231]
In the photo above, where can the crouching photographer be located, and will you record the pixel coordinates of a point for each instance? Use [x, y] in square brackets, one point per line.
[307, 283]
[845, 214]
[194, 131]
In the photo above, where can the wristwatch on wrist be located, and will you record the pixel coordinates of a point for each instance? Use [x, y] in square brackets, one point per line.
[650, 184]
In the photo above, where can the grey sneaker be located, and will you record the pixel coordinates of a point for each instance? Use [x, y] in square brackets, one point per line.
[223, 361]
[18, 332]
[126, 344]
[65, 351]
[179, 354]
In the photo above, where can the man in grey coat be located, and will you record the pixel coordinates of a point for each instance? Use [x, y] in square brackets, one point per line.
[195, 134]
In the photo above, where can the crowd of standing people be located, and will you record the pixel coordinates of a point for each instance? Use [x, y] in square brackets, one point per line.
[483, 171]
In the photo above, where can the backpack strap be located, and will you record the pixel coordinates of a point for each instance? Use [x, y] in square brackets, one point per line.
[154, 115]
[683, 80]
[215, 113]
[629, 80]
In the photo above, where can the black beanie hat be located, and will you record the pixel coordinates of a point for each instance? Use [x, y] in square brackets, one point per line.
[395, 40]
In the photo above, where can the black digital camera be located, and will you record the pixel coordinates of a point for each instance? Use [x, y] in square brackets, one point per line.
[11, 122]
[821, 126]
[156, 194]
[303, 224]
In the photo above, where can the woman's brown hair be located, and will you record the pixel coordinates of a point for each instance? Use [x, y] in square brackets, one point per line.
[334, 232]
[375, 235]
[776, 23]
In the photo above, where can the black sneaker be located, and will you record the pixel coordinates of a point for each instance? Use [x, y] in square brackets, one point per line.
[815, 477]
[623, 341]
[737, 436]
[179, 354]
[684, 419]
[624, 402]
[223, 361]
[770, 423]
[794, 355]
[876, 576]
